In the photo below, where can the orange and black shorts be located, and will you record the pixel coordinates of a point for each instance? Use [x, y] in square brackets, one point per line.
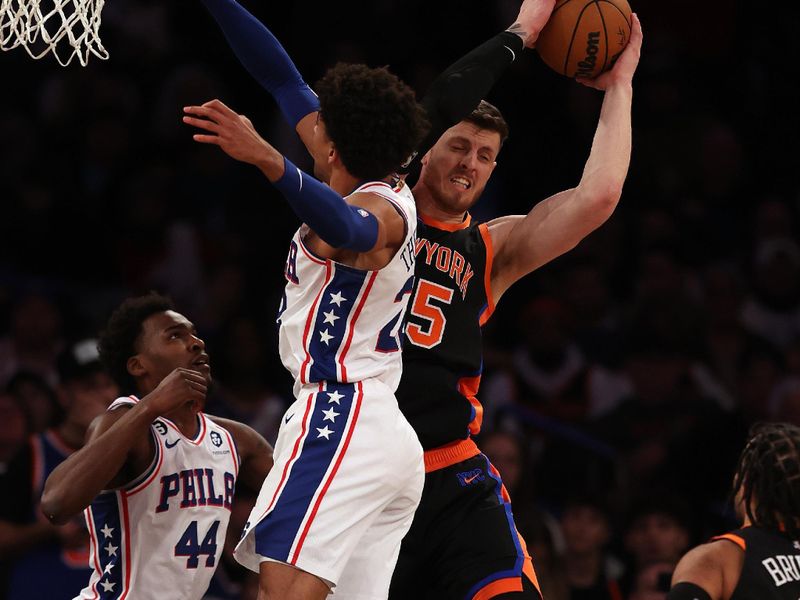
[463, 543]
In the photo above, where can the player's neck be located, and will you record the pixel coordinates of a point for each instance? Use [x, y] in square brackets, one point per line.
[185, 418]
[427, 205]
[342, 182]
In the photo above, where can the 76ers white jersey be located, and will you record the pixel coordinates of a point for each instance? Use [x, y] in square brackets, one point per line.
[339, 323]
[162, 535]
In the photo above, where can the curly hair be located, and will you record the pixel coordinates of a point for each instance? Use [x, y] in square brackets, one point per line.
[768, 477]
[371, 117]
[117, 342]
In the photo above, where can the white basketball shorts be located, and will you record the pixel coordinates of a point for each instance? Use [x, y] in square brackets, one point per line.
[347, 478]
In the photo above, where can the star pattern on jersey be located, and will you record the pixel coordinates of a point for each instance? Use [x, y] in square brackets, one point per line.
[334, 396]
[330, 317]
[325, 337]
[337, 299]
[107, 531]
[112, 550]
[108, 586]
[325, 432]
[330, 415]
[108, 568]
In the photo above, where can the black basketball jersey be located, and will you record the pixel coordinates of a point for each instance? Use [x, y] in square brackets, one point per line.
[771, 568]
[442, 358]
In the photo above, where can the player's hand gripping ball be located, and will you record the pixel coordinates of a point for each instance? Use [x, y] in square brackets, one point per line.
[583, 38]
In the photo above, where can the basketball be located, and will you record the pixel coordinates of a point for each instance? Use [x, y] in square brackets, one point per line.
[583, 38]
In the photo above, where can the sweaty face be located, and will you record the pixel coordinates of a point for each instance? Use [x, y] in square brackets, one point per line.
[168, 341]
[456, 169]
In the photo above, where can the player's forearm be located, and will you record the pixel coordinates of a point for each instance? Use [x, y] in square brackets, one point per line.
[74, 483]
[458, 90]
[335, 221]
[265, 59]
[609, 159]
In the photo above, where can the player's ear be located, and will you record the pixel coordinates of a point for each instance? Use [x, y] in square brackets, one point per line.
[135, 366]
[424, 160]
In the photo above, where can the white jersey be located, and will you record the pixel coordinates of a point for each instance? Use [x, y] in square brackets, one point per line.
[162, 535]
[339, 323]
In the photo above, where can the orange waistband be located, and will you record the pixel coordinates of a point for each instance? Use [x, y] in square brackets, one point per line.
[446, 456]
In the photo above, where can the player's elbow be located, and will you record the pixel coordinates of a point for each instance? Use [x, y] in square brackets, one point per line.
[52, 506]
[604, 200]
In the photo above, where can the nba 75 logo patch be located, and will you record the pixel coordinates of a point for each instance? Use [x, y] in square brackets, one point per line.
[469, 477]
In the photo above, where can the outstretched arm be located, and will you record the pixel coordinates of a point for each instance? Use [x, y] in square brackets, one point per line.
[557, 224]
[365, 227]
[266, 60]
[458, 90]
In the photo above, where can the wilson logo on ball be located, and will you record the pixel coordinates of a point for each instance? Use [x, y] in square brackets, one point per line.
[583, 38]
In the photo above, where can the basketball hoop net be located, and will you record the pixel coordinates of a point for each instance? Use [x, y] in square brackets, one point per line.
[68, 28]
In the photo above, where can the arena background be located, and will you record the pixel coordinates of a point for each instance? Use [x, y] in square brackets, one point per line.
[631, 366]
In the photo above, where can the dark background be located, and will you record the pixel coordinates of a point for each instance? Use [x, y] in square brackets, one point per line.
[692, 287]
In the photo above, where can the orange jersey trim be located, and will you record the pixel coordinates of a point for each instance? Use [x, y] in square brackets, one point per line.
[468, 387]
[501, 586]
[487, 273]
[446, 226]
[450, 454]
[732, 538]
[527, 564]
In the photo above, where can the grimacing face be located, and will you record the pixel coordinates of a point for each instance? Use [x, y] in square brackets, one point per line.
[459, 165]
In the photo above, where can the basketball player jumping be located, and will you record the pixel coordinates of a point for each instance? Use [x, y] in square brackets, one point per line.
[157, 474]
[348, 466]
[760, 561]
[462, 270]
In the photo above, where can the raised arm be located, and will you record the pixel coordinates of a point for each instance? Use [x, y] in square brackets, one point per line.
[556, 225]
[364, 226]
[118, 445]
[458, 90]
[266, 60]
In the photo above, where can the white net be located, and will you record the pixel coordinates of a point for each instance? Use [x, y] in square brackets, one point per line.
[67, 28]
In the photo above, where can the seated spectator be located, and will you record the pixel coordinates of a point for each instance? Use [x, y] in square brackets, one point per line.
[592, 573]
[56, 558]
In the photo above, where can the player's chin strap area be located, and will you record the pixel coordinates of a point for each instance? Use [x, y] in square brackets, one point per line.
[686, 590]
[326, 212]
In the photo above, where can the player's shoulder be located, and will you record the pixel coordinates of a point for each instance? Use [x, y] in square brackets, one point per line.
[714, 564]
[245, 437]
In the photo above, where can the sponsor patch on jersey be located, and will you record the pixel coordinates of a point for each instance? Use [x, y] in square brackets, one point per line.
[216, 439]
[469, 477]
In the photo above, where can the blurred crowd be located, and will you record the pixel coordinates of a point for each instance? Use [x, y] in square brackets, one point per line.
[619, 381]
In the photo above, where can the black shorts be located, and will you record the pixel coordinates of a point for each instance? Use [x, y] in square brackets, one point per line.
[463, 543]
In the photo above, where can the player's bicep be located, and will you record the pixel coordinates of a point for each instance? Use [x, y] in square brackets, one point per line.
[255, 453]
[391, 224]
[701, 567]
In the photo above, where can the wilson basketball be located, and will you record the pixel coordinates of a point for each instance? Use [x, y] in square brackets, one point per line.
[583, 38]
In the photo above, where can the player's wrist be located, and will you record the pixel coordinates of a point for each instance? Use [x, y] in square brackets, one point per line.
[527, 35]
